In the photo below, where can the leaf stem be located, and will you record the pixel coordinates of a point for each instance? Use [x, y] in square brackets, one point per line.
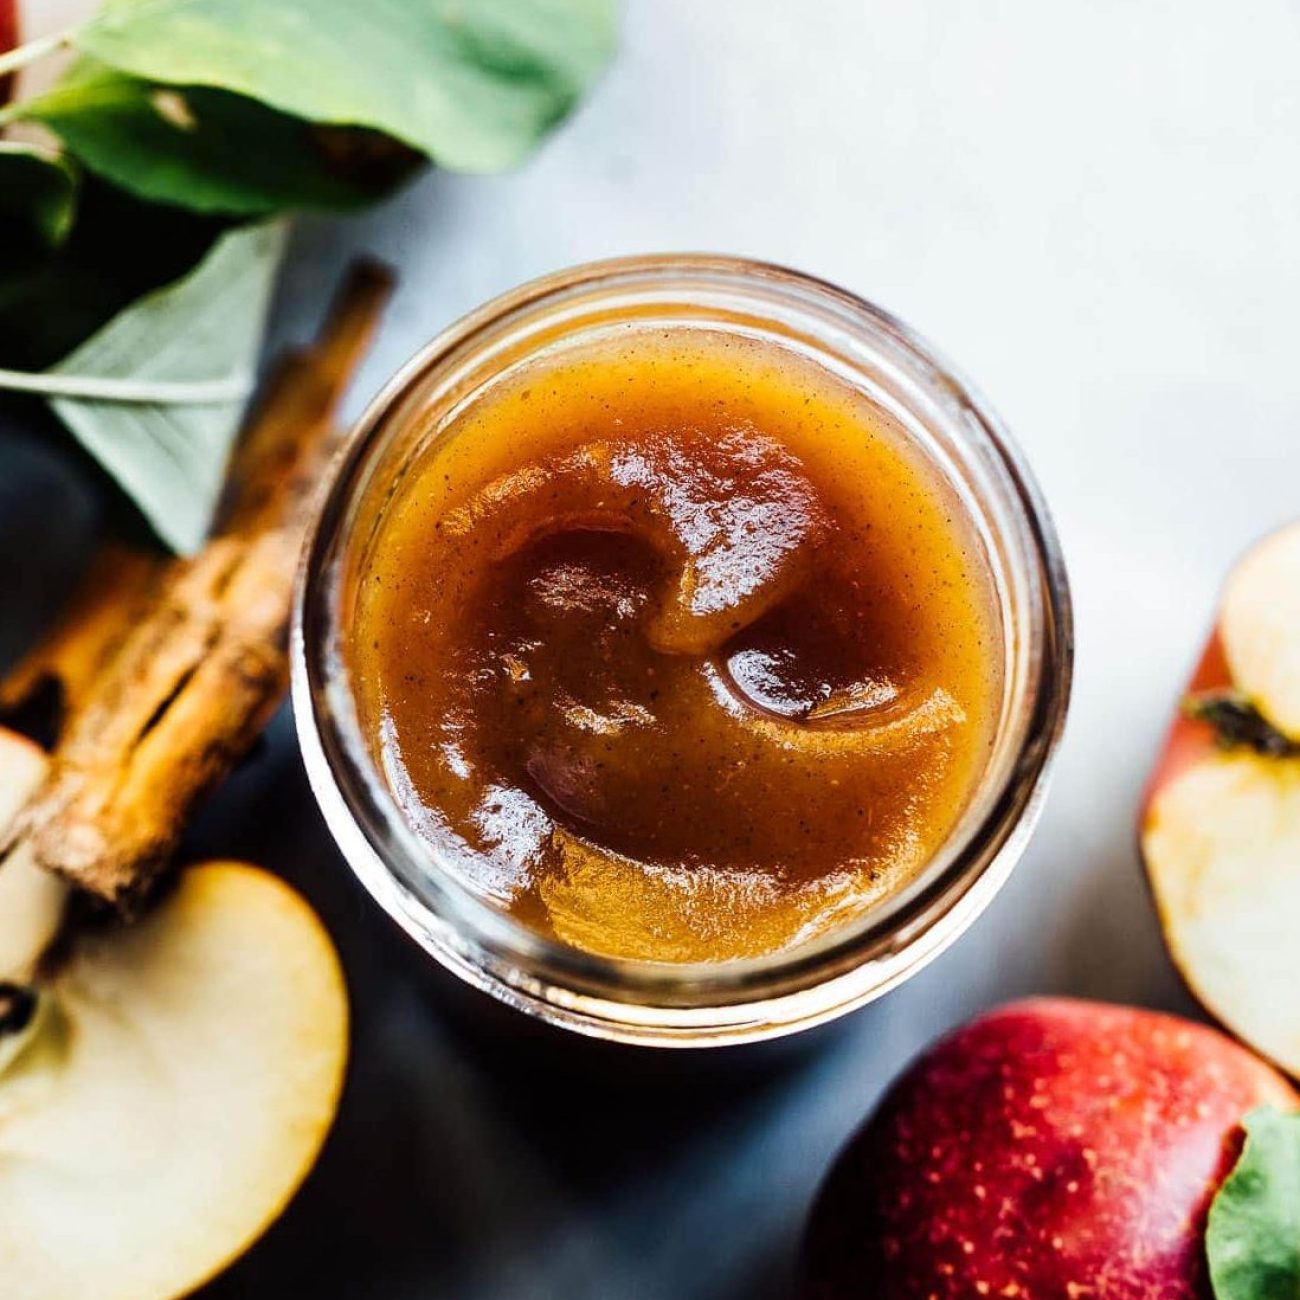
[34, 51]
[96, 388]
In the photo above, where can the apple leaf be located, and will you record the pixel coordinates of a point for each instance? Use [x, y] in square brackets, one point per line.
[1253, 1237]
[473, 84]
[157, 394]
[183, 115]
[38, 197]
[209, 150]
[53, 299]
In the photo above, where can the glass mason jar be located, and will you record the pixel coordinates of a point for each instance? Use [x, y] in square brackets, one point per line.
[695, 1004]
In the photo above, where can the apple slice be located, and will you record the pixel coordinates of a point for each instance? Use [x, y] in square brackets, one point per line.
[1220, 822]
[171, 1087]
[31, 900]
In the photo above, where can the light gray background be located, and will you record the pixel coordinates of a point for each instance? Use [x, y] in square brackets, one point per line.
[1093, 208]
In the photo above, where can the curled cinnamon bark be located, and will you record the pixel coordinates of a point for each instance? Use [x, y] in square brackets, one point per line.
[189, 688]
[114, 594]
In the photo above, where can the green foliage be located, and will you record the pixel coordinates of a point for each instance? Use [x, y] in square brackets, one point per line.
[38, 197]
[194, 147]
[181, 118]
[1253, 1238]
[473, 84]
[52, 299]
[160, 389]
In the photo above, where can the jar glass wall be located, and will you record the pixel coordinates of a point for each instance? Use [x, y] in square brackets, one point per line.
[697, 1003]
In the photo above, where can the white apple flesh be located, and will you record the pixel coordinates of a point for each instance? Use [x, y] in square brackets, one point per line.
[1222, 849]
[1260, 626]
[31, 900]
[177, 1089]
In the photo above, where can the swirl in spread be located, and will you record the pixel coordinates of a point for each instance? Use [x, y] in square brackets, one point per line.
[675, 651]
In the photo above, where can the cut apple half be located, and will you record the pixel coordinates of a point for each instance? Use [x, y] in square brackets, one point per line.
[31, 900]
[1260, 626]
[167, 1090]
[1220, 826]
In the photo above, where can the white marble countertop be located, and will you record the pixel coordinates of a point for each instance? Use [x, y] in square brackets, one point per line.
[1093, 208]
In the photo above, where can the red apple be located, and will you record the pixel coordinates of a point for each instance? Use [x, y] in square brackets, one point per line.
[1051, 1150]
[8, 40]
[1220, 822]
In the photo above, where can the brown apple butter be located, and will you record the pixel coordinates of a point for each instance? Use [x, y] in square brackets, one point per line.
[676, 648]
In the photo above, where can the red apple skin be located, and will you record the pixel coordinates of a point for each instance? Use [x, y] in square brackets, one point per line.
[1051, 1150]
[8, 40]
[8, 24]
[1188, 739]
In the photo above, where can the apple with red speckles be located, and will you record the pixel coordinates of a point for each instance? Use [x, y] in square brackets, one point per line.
[1051, 1150]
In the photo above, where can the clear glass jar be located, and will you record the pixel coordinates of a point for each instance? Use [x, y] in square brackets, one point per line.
[733, 1001]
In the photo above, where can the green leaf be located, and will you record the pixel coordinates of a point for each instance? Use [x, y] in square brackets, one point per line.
[474, 84]
[38, 197]
[52, 300]
[1253, 1237]
[174, 346]
[207, 149]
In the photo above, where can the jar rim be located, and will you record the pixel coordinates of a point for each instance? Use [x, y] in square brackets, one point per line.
[697, 1002]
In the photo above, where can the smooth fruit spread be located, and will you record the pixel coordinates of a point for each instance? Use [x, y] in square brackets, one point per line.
[675, 649]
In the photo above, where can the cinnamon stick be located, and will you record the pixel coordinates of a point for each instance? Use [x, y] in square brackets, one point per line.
[114, 593]
[192, 685]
